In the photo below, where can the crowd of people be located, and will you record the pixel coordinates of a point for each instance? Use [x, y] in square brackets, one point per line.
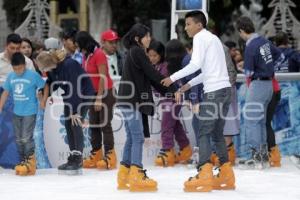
[201, 75]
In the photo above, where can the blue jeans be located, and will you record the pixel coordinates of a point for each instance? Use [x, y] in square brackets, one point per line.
[133, 149]
[23, 128]
[257, 99]
[213, 111]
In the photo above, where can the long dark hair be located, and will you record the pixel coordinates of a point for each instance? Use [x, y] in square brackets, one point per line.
[159, 48]
[30, 43]
[175, 53]
[86, 41]
[137, 30]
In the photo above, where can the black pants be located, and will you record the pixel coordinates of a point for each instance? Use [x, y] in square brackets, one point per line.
[100, 123]
[74, 132]
[270, 113]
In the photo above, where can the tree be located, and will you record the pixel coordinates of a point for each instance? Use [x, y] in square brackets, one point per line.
[283, 19]
[14, 12]
[128, 12]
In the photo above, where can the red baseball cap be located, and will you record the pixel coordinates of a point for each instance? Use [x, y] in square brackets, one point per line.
[109, 35]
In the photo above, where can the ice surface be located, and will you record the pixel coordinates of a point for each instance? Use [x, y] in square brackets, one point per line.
[280, 183]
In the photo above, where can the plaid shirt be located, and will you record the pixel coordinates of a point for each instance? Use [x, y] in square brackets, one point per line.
[78, 57]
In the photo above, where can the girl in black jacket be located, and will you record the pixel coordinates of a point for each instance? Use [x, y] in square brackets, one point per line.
[136, 103]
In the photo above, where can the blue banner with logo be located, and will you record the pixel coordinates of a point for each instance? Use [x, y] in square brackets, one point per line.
[286, 121]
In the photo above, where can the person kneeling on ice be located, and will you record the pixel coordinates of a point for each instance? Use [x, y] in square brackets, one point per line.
[208, 55]
[66, 73]
[23, 84]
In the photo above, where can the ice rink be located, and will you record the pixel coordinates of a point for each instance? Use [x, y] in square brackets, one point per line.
[280, 183]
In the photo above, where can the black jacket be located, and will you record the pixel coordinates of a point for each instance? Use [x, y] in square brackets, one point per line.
[120, 60]
[139, 71]
[68, 73]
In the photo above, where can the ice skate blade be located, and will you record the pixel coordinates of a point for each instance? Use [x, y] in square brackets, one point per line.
[89, 166]
[70, 172]
[123, 187]
[199, 189]
[275, 164]
[252, 167]
[20, 173]
[225, 187]
[191, 166]
[144, 189]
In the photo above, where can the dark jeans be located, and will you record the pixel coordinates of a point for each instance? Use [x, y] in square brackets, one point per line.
[196, 127]
[213, 111]
[74, 132]
[23, 128]
[171, 127]
[100, 122]
[270, 113]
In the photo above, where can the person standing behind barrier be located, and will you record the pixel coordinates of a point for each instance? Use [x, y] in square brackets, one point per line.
[66, 74]
[208, 55]
[13, 44]
[101, 114]
[171, 126]
[135, 101]
[260, 59]
[232, 123]
[291, 62]
[109, 45]
[193, 97]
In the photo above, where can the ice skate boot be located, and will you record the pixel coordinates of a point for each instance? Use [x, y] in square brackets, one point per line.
[109, 161]
[123, 175]
[166, 158]
[231, 154]
[202, 182]
[214, 159]
[91, 161]
[27, 167]
[225, 179]
[275, 157]
[184, 154]
[139, 181]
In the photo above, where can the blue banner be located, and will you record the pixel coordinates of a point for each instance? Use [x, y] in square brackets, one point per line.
[286, 121]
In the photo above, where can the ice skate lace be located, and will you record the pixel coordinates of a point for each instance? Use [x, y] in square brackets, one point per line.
[91, 157]
[217, 169]
[107, 158]
[162, 152]
[25, 161]
[195, 177]
[162, 155]
[144, 172]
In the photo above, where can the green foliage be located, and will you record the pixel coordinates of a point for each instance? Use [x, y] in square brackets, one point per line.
[14, 12]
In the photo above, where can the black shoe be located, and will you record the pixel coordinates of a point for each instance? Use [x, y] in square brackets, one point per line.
[264, 152]
[296, 160]
[255, 162]
[73, 165]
